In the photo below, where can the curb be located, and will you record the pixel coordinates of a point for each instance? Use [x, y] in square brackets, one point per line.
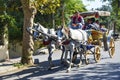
[6, 69]
[8, 66]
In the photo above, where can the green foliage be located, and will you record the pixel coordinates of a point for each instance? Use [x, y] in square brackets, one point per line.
[116, 12]
[74, 5]
[13, 31]
[7, 19]
[44, 19]
[12, 16]
[15, 34]
[118, 24]
[114, 7]
[67, 8]
[19, 65]
[47, 6]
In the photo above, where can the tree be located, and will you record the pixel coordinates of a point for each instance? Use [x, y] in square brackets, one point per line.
[29, 13]
[30, 8]
[67, 8]
[6, 22]
[115, 4]
[116, 9]
[12, 9]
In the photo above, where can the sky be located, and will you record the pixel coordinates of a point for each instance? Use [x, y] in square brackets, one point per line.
[93, 4]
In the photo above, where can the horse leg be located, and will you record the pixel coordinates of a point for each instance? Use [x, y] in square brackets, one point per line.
[85, 50]
[80, 62]
[70, 63]
[63, 52]
[65, 61]
[74, 56]
[50, 58]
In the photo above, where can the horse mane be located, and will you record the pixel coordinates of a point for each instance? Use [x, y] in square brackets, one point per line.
[66, 31]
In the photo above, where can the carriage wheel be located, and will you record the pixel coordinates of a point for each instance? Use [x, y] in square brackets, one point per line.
[97, 54]
[111, 47]
[86, 56]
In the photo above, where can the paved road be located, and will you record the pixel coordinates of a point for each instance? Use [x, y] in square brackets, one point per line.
[107, 69]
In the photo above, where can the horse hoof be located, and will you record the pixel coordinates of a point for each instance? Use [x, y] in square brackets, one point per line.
[78, 65]
[87, 63]
[67, 71]
[73, 65]
[49, 68]
[52, 65]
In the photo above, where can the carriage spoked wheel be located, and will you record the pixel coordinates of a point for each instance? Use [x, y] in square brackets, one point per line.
[87, 53]
[111, 47]
[97, 54]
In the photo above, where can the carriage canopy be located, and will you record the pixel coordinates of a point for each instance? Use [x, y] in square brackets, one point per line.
[95, 13]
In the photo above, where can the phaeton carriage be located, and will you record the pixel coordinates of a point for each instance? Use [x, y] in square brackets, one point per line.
[99, 38]
[93, 45]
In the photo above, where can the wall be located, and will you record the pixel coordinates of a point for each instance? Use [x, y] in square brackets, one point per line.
[4, 53]
[15, 50]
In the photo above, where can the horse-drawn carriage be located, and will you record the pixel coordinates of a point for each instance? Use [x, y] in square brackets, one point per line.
[99, 38]
[77, 40]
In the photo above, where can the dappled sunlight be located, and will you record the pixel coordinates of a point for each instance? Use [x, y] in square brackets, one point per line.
[94, 71]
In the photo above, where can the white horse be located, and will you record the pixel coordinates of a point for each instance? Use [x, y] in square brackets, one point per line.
[49, 39]
[75, 37]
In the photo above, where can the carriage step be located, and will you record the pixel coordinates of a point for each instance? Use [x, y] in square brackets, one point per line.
[88, 47]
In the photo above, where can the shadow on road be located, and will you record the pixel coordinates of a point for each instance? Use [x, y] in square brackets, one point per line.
[109, 71]
[40, 69]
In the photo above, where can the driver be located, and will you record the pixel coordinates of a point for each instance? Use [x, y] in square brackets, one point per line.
[77, 21]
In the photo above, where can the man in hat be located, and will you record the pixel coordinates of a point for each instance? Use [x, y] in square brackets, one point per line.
[77, 21]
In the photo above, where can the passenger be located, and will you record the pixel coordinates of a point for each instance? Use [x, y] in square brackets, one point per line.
[77, 21]
[97, 21]
[88, 24]
[87, 28]
[94, 24]
[102, 28]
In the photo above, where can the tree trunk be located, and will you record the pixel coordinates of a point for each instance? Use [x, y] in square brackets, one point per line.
[27, 46]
